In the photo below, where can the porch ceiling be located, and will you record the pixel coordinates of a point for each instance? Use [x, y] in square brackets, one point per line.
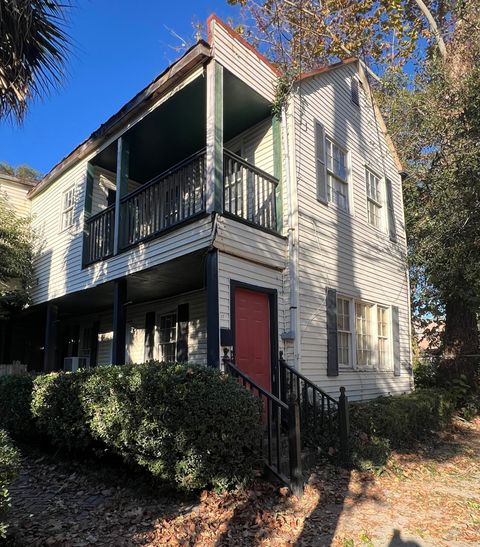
[175, 277]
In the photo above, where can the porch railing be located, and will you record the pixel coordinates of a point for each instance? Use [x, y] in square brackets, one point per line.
[324, 420]
[99, 234]
[249, 192]
[280, 442]
[167, 200]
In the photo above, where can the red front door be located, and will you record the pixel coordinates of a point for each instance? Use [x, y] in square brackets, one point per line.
[252, 335]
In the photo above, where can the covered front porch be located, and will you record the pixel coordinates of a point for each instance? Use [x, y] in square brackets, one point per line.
[159, 314]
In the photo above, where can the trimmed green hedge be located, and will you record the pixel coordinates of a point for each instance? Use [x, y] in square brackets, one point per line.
[9, 464]
[58, 409]
[397, 422]
[15, 401]
[187, 424]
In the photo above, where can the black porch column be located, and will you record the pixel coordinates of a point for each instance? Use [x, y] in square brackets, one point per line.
[119, 321]
[50, 351]
[213, 323]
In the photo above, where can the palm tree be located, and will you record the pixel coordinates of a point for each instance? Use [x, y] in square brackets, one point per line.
[33, 51]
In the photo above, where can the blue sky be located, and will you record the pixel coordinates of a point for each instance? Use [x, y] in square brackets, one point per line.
[119, 47]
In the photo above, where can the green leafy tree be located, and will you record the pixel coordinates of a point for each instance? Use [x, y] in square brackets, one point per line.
[21, 171]
[434, 120]
[16, 253]
[33, 51]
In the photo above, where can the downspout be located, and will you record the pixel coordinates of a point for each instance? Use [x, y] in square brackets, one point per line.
[292, 334]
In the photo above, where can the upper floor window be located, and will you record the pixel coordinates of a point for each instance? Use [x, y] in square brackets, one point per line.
[337, 174]
[68, 203]
[374, 204]
[332, 170]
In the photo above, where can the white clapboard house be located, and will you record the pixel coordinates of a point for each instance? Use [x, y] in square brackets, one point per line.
[193, 220]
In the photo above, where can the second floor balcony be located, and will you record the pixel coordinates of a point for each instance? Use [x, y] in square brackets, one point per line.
[178, 195]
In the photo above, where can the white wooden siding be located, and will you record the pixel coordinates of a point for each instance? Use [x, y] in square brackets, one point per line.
[256, 145]
[16, 194]
[135, 329]
[341, 250]
[239, 239]
[231, 268]
[58, 264]
[242, 61]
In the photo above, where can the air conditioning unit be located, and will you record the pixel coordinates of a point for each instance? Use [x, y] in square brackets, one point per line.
[72, 364]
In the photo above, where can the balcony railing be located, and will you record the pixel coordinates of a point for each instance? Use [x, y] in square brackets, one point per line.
[169, 199]
[249, 192]
[178, 195]
[99, 235]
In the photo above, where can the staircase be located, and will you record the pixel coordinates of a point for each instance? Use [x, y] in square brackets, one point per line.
[300, 420]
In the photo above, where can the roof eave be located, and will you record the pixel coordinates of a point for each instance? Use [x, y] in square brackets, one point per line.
[195, 56]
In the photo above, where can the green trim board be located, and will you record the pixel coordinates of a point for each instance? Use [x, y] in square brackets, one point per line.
[277, 169]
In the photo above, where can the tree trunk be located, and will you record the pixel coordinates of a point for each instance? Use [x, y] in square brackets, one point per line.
[460, 341]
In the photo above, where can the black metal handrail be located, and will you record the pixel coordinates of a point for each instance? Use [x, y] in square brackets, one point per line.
[323, 418]
[249, 192]
[275, 456]
[99, 235]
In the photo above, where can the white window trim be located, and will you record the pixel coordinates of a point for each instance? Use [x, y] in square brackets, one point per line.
[375, 367]
[381, 203]
[64, 210]
[157, 350]
[348, 178]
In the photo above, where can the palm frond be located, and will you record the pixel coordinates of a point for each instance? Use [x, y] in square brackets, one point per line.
[34, 47]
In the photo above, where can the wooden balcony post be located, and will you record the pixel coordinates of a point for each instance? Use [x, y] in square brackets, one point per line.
[214, 152]
[119, 321]
[123, 153]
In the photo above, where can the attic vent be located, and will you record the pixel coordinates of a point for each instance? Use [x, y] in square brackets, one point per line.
[354, 92]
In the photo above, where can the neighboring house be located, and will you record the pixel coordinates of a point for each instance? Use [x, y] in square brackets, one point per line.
[15, 190]
[193, 220]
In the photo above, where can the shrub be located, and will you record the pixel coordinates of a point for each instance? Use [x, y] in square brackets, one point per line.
[396, 422]
[187, 424]
[15, 400]
[58, 410]
[9, 463]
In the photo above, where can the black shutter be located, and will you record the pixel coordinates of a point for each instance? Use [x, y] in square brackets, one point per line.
[149, 336]
[320, 162]
[392, 230]
[332, 356]
[182, 333]
[396, 340]
[354, 92]
[94, 343]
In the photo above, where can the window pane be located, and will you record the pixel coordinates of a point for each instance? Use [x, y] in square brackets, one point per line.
[363, 334]
[336, 160]
[337, 192]
[373, 212]
[168, 337]
[383, 342]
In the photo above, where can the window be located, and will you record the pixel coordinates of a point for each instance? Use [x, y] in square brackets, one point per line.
[383, 357]
[167, 335]
[67, 208]
[344, 334]
[337, 174]
[363, 332]
[374, 206]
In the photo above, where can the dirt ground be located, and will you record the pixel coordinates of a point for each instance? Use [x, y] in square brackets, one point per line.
[427, 498]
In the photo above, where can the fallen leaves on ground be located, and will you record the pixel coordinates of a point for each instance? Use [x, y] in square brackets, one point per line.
[430, 496]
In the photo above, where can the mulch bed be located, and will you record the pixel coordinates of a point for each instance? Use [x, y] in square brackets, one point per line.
[429, 498]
